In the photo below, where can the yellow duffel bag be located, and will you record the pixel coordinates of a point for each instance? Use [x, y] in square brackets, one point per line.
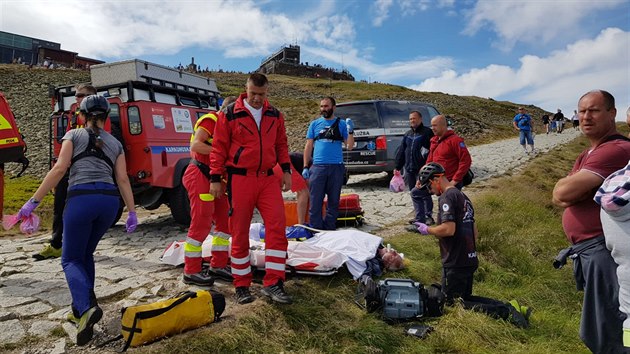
[143, 324]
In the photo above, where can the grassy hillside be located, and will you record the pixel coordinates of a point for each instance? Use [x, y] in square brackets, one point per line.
[478, 120]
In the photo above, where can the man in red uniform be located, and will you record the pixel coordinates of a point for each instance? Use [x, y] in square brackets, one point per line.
[594, 268]
[449, 150]
[204, 208]
[249, 139]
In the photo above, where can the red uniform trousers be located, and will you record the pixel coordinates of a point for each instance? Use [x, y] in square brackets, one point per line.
[202, 214]
[264, 193]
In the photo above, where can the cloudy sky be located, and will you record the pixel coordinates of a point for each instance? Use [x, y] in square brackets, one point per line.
[542, 52]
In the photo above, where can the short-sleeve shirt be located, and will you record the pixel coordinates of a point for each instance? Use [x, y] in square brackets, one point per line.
[326, 151]
[458, 250]
[208, 125]
[581, 221]
[92, 169]
[523, 121]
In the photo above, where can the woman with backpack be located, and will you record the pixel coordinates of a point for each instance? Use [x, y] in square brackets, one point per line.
[94, 157]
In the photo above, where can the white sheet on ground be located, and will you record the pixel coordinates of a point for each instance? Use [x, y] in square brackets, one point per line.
[357, 246]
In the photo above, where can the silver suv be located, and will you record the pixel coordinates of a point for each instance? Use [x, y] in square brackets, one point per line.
[378, 130]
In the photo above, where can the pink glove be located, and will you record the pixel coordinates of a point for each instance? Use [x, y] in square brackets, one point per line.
[27, 208]
[132, 221]
[422, 228]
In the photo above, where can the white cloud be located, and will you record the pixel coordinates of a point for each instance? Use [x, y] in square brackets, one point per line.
[140, 27]
[381, 11]
[532, 21]
[555, 81]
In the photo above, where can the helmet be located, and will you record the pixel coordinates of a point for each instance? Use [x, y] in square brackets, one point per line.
[94, 105]
[428, 172]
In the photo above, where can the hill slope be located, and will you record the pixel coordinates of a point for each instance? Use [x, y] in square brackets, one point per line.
[478, 120]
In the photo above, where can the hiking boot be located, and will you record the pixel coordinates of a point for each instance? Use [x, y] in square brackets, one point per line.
[86, 324]
[202, 278]
[224, 273]
[72, 318]
[243, 296]
[429, 221]
[516, 317]
[277, 293]
[48, 252]
[526, 311]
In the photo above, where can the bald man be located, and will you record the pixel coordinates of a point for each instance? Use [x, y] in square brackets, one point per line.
[449, 150]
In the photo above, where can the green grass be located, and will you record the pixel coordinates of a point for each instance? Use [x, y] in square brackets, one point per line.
[520, 233]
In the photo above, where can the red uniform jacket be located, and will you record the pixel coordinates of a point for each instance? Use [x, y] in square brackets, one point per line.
[238, 143]
[451, 152]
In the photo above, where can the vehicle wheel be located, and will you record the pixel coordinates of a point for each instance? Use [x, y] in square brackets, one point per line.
[179, 204]
[119, 213]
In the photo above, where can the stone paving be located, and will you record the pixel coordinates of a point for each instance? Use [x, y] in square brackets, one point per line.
[34, 298]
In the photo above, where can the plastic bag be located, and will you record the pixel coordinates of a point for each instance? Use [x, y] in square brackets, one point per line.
[174, 253]
[397, 184]
[8, 221]
[30, 224]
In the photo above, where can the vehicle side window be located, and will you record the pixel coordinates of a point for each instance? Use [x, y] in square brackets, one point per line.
[364, 115]
[114, 113]
[432, 113]
[396, 115]
[199, 115]
[62, 126]
[135, 125]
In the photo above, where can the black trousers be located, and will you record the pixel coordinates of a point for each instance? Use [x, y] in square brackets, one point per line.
[61, 192]
[457, 283]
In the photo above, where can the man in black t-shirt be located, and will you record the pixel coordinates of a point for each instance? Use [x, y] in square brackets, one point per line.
[457, 235]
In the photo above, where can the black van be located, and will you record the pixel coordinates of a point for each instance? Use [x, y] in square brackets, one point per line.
[379, 126]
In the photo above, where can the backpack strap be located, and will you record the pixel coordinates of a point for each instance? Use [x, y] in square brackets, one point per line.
[615, 137]
[92, 150]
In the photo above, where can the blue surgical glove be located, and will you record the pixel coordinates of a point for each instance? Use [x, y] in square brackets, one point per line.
[306, 173]
[27, 208]
[132, 221]
[350, 125]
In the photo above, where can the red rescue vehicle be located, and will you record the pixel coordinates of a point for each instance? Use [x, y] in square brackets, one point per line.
[153, 111]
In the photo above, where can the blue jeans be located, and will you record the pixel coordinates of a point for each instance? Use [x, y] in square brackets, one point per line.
[421, 198]
[325, 180]
[85, 220]
[526, 135]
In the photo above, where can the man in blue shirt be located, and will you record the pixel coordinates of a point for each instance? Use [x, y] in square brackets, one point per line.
[524, 124]
[324, 139]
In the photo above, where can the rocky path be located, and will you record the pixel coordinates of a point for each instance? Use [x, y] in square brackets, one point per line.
[34, 298]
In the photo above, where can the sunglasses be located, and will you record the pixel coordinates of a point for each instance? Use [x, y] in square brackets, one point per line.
[80, 95]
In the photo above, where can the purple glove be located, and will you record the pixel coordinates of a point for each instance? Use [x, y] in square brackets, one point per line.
[422, 228]
[132, 221]
[27, 208]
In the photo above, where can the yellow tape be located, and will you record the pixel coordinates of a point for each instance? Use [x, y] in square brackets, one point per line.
[206, 197]
[9, 141]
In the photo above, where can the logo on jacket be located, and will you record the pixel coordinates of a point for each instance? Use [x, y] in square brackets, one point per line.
[462, 145]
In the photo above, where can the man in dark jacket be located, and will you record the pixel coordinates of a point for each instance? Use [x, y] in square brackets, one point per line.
[411, 156]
